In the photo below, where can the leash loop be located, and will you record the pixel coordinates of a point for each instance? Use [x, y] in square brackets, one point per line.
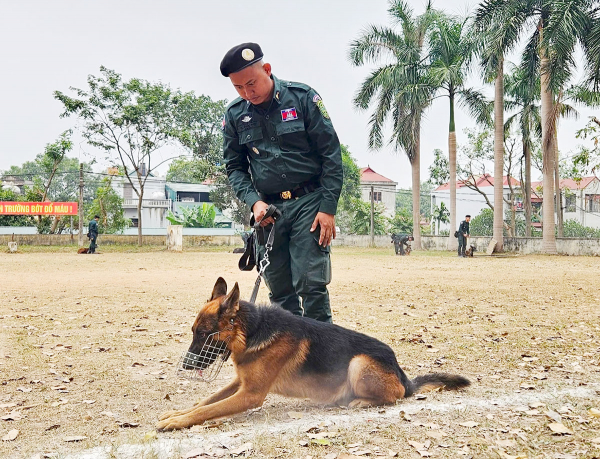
[274, 212]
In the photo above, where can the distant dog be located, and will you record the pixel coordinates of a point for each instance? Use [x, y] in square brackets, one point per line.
[83, 250]
[470, 251]
[275, 351]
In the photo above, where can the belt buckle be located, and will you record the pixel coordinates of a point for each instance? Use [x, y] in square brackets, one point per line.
[286, 195]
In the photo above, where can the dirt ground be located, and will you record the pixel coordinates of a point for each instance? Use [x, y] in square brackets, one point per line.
[89, 343]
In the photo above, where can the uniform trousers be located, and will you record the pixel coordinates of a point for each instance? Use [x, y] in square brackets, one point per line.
[299, 269]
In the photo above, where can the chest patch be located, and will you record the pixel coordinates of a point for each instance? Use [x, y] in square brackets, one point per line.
[289, 114]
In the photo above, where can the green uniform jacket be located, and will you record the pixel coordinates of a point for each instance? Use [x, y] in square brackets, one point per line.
[93, 228]
[274, 150]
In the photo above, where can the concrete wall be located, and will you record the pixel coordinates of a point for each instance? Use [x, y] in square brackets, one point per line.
[521, 245]
[119, 239]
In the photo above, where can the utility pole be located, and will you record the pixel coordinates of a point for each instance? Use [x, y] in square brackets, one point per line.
[80, 241]
[372, 217]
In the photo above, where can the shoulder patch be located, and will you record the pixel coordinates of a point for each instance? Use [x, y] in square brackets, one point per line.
[321, 106]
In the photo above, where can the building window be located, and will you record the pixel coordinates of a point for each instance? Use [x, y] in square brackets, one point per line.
[134, 222]
[592, 202]
[570, 203]
[376, 196]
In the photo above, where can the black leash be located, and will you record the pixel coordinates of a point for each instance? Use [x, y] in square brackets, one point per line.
[248, 260]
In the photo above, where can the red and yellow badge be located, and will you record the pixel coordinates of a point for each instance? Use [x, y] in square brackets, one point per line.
[321, 106]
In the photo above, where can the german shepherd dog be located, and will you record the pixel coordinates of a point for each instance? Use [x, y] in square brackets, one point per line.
[275, 351]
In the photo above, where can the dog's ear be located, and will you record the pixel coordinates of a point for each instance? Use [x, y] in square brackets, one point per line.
[220, 289]
[231, 303]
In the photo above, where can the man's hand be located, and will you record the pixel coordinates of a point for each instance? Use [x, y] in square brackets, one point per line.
[327, 224]
[259, 209]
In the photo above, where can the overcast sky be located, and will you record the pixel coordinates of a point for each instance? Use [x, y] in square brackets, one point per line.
[52, 45]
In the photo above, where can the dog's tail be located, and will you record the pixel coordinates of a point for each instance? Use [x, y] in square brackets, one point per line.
[433, 381]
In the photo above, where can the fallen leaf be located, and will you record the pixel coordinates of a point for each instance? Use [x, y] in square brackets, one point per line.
[559, 428]
[241, 449]
[295, 414]
[151, 435]
[10, 436]
[12, 416]
[593, 412]
[527, 386]
[75, 438]
[363, 452]
[194, 453]
[331, 456]
[416, 444]
[553, 415]
[127, 424]
[469, 424]
[503, 455]
[52, 427]
[321, 441]
[420, 397]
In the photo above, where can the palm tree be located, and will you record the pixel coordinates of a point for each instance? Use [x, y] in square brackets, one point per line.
[398, 88]
[451, 49]
[554, 28]
[525, 99]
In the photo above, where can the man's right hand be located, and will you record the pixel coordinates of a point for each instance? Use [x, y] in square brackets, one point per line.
[259, 209]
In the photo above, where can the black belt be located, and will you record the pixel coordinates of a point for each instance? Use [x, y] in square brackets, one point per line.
[295, 193]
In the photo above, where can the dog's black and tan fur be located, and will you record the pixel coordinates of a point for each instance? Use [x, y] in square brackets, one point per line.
[275, 351]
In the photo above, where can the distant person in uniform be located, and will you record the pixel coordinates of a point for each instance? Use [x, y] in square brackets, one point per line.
[401, 243]
[463, 234]
[93, 233]
[280, 148]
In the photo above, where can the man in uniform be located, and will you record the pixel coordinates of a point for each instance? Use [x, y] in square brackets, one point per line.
[280, 148]
[93, 233]
[401, 243]
[463, 234]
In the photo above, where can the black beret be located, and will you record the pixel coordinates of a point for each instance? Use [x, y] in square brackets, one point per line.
[239, 57]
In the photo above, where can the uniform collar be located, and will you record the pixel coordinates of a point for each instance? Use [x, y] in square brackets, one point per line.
[277, 90]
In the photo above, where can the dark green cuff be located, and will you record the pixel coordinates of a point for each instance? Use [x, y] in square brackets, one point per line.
[252, 199]
[328, 207]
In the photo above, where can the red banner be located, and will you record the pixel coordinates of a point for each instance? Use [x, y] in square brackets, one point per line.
[38, 208]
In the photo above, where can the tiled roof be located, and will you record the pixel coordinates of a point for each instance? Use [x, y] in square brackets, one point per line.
[369, 175]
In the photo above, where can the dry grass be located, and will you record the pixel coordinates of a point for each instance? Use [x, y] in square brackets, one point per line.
[88, 345]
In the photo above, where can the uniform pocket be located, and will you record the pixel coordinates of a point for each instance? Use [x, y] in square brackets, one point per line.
[319, 264]
[250, 135]
[292, 136]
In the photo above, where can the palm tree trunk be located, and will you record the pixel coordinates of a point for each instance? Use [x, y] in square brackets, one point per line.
[548, 155]
[559, 206]
[527, 154]
[452, 241]
[416, 191]
[499, 157]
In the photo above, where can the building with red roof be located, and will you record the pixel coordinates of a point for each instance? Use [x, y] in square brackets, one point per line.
[383, 188]
[581, 199]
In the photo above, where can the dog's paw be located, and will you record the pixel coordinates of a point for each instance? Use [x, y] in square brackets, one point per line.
[168, 414]
[173, 423]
